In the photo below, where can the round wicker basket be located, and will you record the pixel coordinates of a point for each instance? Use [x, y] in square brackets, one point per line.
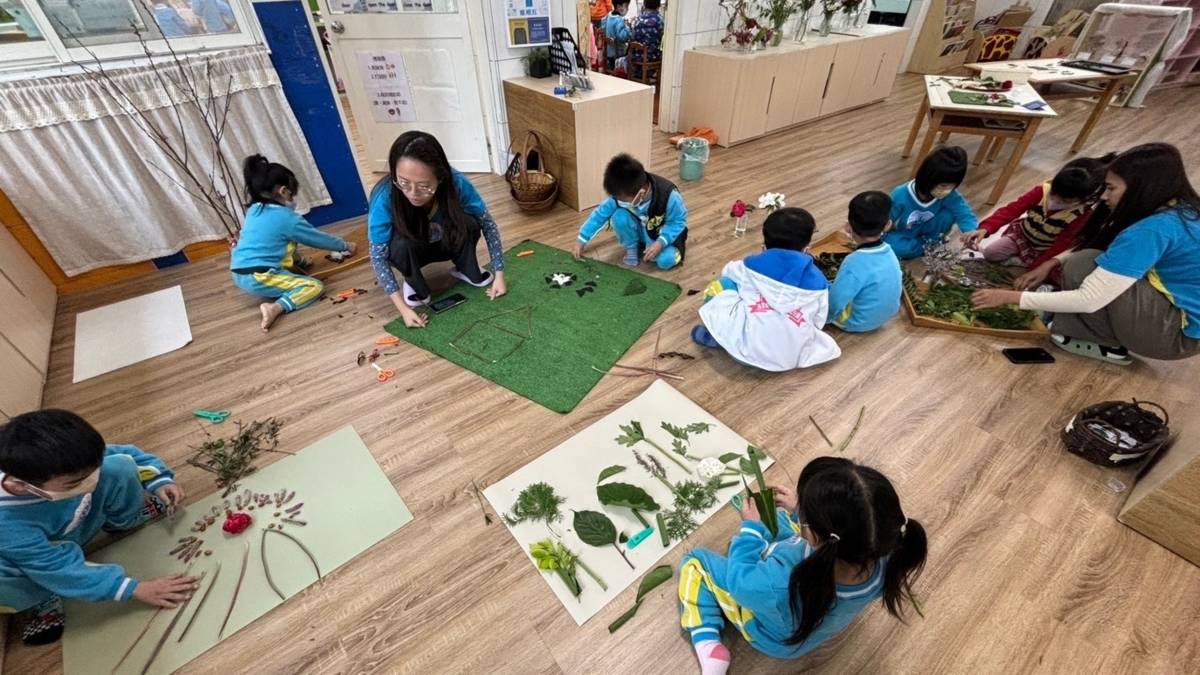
[1115, 433]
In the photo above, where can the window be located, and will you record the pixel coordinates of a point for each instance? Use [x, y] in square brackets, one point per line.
[55, 32]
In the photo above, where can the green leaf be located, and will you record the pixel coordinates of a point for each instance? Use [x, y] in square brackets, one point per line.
[745, 466]
[631, 434]
[756, 453]
[729, 457]
[677, 432]
[662, 529]
[623, 538]
[610, 472]
[594, 528]
[627, 496]
[679, 446]
[699, 428]
[612, 627]
[657, 577]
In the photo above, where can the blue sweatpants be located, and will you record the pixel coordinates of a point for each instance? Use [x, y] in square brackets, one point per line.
[630, 232]
[292, 291]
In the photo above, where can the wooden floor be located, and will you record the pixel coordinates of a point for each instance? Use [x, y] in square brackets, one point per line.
[1028, 569]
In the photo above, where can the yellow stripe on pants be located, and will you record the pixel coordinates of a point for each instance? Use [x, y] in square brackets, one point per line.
[693, 576]
[302, 290]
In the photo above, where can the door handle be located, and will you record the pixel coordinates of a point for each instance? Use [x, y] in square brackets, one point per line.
[337, 27]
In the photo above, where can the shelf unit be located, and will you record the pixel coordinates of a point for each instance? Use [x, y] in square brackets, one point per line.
[1184, 68]
[946, 37]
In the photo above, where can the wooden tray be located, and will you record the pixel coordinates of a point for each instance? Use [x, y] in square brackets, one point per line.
[323, 269]
[838, 242]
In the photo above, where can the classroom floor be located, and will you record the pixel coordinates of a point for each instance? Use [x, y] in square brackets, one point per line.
[1028, 569]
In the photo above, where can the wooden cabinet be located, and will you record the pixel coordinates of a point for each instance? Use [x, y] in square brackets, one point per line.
[746, 95]
[28, 300]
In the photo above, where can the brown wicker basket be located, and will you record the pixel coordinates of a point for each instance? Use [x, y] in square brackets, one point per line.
[535, 186]
[534, 207]
[1114, 433]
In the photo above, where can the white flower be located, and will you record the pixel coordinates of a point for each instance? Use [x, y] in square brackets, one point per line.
[771, 201]
[710, 467]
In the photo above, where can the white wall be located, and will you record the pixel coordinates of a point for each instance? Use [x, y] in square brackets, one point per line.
[689, 24]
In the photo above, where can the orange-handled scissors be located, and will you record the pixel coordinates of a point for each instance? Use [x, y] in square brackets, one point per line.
[385, 374]
[388, 341]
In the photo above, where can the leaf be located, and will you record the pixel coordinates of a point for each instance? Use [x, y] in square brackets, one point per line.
[756, 453]
[623, 538]
[699, 428]
[610, 472]
[729, 457]
[612, 627]
[679, 447]
[745, 466]
[662, 529]
[594, 528]
[631, 434]
[627, 496]
[657, 577]
[678, 432]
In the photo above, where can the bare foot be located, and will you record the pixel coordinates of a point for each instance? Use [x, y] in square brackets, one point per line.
[270, 311]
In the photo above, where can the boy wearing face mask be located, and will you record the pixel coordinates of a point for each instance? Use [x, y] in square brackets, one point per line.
[59, 486]
[925, 208]
[646, 213]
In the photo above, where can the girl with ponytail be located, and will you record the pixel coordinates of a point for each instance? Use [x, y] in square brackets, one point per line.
[264, 262]
[843, 541]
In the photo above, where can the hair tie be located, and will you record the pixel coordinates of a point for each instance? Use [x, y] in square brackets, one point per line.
[834, 536]
[904, 527]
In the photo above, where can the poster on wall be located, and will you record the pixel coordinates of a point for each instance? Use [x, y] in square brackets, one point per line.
[387, 86]
[528, 22]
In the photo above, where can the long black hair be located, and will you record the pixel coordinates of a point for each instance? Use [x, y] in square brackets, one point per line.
[1155, 178]
[1082, 178]
[412, 222]
[854, 511]
[264, 177]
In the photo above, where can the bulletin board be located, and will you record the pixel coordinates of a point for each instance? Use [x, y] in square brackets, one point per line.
[527, 22]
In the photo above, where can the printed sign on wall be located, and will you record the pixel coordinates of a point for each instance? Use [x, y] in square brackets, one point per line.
[388, 89]
[528, 22]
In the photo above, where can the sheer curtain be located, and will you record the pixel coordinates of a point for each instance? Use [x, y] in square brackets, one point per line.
[98, 191]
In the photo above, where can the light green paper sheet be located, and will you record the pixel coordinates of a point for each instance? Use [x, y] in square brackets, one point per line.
[349, 505]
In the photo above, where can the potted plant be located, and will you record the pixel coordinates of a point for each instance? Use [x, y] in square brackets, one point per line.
[537, 62]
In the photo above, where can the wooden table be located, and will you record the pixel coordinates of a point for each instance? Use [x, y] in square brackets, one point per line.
[947, 117]
[584, 130]
[1049, 72]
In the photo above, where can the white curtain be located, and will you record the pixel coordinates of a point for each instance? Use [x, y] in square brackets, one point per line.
[98, 191]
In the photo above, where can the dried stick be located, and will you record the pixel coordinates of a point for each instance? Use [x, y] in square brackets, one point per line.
[853, 431]
[137, 639]
[487, 519]
[170, 627]
[650, 371]
[262, 553]
[304, 548]
[820, 431]
[200, 605]
[236, 590]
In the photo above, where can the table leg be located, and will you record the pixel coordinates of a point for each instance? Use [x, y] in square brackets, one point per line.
[916, 126]
[1013, 161]
[994, 151]
[983, 150]
[944, 137]
[1097, 111]
[935, 125]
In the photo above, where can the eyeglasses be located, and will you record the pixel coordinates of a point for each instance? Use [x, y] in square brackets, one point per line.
[415, 188]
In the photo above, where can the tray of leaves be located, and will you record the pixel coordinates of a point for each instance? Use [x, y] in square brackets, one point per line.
[979, 274]
[947, 306]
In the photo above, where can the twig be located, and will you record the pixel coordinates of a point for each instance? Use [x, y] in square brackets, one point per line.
[200, 605]
[236, 590]
[262, 552]
[170, 627]
[853, 431]
[657, 340]
[623, 556]
[137, 639]
[820, 431]
[304, 548]
[640, 371]
[487, 518]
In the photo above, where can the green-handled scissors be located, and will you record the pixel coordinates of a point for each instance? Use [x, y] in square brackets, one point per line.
[216, 417]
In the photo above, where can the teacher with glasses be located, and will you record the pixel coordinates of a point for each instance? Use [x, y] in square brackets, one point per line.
[423, 212]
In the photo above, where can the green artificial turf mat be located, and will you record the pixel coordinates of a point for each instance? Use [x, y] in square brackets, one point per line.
[543, 339]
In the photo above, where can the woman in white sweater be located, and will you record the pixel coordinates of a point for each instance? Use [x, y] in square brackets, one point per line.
[1142, 294]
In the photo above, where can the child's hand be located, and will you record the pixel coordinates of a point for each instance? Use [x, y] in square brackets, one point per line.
[351, 247]
[785, 498]
[971, 239]
[750, 510]
[171, 494]
[578, 251]
[653, 251]
[166, 591]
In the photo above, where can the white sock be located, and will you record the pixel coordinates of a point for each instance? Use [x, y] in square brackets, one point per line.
[714, 657]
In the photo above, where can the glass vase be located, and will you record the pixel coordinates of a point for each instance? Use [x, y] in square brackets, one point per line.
[826, 23]
[864, 14]
[802, 27]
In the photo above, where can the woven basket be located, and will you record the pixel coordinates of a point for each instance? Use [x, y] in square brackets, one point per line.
[535, 186]
[534, 207]
[1115, 433]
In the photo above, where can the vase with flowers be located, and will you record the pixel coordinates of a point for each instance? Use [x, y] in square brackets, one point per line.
[804, 9]
[829, 10]
[849, 14]
[776, 13]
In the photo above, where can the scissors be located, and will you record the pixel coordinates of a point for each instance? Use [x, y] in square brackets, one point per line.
[388, 341]
[216, 417]
[385, 374]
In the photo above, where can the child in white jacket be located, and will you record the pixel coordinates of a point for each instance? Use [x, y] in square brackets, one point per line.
[768, 310]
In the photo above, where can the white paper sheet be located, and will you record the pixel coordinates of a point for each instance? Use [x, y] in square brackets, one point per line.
[121, 334]
[572, 469]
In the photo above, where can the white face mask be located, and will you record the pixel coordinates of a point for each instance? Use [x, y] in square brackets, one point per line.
[86, 486]
[941, 193]
[637, 200]
[1055, 205]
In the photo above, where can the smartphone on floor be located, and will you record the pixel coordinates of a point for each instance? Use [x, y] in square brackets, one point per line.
[448, 302]
[1026, 355]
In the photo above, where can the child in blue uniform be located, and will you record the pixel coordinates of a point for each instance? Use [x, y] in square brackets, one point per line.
[617, 30]
[925, 208]
[646, 213]
[264, 260]
[59, 485]
[866, 292]
[843, 541]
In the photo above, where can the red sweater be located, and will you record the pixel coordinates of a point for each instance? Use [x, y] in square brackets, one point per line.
[1013, 210]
